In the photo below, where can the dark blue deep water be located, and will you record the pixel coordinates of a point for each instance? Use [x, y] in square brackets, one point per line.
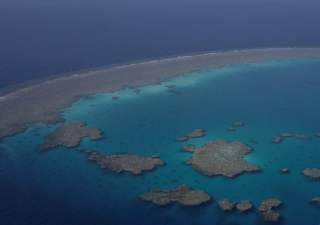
[60, 186]
[39, 38]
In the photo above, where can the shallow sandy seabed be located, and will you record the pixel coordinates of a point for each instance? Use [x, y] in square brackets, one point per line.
[42, 102]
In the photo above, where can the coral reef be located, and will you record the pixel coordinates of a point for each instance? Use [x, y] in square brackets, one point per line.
[314, 173]
[196, 133]
[58, 94]
[277, 140]
[220, 157]
[266, 210]
[182, 139]
[316, 199]
[127, 162]
[270, 216]
[287, 135]
[189, 148]
[115, 98]
[170, 86]
[183, 194]
[298, 136]
[225, 204]
[69, 135]
[244, 205]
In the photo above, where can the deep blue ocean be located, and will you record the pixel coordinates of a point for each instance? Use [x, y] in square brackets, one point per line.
[61, 186]
[42, 39]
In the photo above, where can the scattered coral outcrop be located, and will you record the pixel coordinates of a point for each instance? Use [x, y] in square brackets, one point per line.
[314, 173]
[244, 205]
[182, 139]
[298, 136]
[266, 210]
[196, 133]
[285, 170]
[318, 135]
[237, 124]
[231, 129]
[226, 205]
[69, 135]
[115, 98]
[170, 86]
[277, 140]
[316, 199]
[220, 157]
[254, 141]
[189, 148]
[127, 162]
[286, 135]
[183, 194]
[270, 216]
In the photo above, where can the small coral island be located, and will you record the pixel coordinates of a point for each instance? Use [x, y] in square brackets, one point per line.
[266, 210]
[314, 173]
[220, 157]
[127, 162]
[183, 194]
[69, 135]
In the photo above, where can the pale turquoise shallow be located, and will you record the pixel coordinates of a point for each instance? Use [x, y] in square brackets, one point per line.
[273, 97]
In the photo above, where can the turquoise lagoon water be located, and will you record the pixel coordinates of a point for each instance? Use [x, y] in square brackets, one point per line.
[60, 186]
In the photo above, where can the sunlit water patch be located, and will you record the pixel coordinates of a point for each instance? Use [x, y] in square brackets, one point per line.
[60, 186]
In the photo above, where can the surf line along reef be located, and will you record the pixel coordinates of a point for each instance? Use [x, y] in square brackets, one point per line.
[21, 107]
